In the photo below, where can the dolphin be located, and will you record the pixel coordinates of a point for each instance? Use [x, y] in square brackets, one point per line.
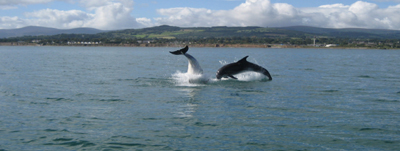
[194, 66]
[240, 66]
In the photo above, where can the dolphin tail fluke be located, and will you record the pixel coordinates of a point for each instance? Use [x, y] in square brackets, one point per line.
[181, 51]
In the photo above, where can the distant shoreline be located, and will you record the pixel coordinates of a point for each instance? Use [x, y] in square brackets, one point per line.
[191, 45]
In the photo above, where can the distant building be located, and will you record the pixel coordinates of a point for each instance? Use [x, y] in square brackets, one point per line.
[145, 41]
[331, 45]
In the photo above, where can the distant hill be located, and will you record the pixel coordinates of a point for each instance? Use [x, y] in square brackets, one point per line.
[173, 32]
[347, 32]
[166, 31]
[36, 31]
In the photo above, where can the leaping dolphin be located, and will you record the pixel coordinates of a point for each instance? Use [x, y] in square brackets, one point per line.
[194, 66]
[241, 66]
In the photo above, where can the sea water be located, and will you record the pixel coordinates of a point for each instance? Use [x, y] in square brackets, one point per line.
[124, 98]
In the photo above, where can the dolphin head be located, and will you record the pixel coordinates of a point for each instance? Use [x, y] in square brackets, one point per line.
[220, 75]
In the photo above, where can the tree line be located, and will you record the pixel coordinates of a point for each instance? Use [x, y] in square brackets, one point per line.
[300, 41]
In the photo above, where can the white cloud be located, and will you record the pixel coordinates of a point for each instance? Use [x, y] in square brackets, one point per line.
[101, 14]
[58, 19]
[116, 14]
[94, 3]
[145, 21]
[112, 16]
[11, 22]
[394, 7]
[360, 15]
[250, 13]
[264, 13]
[334, 6]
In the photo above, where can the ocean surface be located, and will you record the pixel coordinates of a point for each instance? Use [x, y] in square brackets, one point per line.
[124, 98]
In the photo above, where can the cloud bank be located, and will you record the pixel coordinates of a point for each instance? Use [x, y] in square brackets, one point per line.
[117, 14]
[264, 13]
[101, 14]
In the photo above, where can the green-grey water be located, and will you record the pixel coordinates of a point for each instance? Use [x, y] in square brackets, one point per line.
[117, 98]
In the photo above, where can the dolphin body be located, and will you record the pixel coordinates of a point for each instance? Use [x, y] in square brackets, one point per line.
[226, 71]
[240, 66]
[194, 66]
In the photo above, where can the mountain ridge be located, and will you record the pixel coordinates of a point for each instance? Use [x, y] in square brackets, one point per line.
[347, 32]
[166, 31]
[39, 30]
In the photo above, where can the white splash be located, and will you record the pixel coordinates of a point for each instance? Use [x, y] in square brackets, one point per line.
[251, 76]
[193, 80]
[223, 62]
[188, 79]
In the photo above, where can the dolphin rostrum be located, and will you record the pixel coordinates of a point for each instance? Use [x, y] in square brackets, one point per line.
[241, 66]
[194, 66]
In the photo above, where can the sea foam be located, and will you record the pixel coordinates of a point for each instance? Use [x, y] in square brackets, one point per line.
[186, 79]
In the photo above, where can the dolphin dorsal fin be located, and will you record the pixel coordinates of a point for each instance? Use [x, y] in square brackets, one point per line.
[243, 60]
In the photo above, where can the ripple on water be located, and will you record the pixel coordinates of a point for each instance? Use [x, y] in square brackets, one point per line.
[330, 91]
[55, 130]
[7, 93]
[125, 79]
[125, 142]
[58, 99]
[385, 100]
[69, 142]
[150, 82]
[364, 76]
[40, 103]
[111, 100]
[204, 124]
[119, 145]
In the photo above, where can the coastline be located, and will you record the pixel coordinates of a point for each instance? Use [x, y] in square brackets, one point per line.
[191, 45]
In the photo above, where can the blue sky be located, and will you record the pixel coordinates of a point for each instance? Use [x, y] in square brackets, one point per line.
[122, 14]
